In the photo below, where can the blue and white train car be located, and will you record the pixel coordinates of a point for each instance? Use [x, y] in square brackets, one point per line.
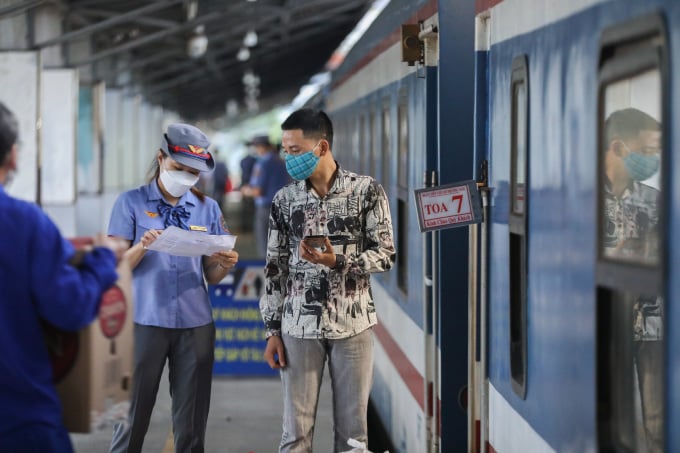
[582, 346]
[550, 327]
[385, 114]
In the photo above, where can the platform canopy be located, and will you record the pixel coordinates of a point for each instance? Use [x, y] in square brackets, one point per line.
[195, 56]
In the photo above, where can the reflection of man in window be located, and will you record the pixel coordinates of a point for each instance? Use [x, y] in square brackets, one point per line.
[630, 233]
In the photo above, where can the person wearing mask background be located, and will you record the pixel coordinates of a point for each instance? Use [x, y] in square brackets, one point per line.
[220, 177]
[631, 233]
[42, 280]
[173, 316]
[247, 203]
[318, 304]
[269, 175]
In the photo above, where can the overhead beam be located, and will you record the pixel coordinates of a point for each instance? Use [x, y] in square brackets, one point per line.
[213, 16]
[21, 6]
[118, 19]
[316, 28]
[141, 62]
[198, 73]
[233, 46]
[150, 21]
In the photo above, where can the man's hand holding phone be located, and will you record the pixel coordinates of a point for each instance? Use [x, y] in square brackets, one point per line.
[317, 250]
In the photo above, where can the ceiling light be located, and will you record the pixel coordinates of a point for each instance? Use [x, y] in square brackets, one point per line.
[250, 39]
[249, 78]
[232, 108]
[197, 44]
[243, 54]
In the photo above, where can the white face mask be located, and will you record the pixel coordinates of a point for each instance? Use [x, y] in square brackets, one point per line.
[177, 182]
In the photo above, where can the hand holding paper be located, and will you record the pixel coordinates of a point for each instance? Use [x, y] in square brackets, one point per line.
[176, 241]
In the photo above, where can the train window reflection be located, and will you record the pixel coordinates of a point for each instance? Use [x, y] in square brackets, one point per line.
[630, 371]
[630, 275]
[520, 147]
[518, 225]
[631, 165]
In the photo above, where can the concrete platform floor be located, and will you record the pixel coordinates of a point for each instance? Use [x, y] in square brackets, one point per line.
[245, 417]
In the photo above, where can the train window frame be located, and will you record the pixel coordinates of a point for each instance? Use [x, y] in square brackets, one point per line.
[357, 140]
[402, 144]
[385, 143]
[518, 254]
[402, 193]
[627, 50]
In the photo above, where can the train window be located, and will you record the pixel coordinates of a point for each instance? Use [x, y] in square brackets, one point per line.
[402, 245]
[631, 143]
[372, 150]
[402, 193]
[519, 156]
[630, 267]
[402, 163]
[359, 137]
[386, 133]
[520, 146]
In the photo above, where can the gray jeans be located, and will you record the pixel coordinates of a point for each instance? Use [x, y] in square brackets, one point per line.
[649, 362]
[350, 362]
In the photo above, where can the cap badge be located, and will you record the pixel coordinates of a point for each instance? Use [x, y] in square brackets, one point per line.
[196, 149]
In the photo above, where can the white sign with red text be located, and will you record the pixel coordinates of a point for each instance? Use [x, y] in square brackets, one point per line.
[448, 206]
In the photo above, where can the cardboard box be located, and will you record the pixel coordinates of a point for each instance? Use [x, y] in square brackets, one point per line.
[93, 367]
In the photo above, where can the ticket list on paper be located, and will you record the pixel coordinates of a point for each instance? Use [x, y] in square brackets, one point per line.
[176, 241]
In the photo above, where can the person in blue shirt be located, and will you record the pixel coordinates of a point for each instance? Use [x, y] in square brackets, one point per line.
[220, 177]
[247, 203]
[42, 280]
[269, 175]
[173, 316]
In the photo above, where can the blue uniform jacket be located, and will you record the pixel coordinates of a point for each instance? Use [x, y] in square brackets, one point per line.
[169, 291]
[36, 282]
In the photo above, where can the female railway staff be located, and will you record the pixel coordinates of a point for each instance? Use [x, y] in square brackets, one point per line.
[173, 317]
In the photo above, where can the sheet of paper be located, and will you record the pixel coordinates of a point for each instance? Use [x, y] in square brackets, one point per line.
[177, 241]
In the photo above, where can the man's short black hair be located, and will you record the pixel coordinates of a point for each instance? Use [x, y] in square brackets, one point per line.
[9, 131]
[313, 123]
[627, 124]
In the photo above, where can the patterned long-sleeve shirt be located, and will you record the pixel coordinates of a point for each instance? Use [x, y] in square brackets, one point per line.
[307, 300]
[631, 233]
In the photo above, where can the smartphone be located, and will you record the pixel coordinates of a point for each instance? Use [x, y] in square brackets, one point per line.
[317, 241]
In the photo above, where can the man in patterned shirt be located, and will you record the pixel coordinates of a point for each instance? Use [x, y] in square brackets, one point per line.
[318, 304]
[630, 233]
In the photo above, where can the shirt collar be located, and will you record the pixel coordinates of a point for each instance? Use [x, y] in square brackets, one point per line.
[338, 184]
[154, 194]
[630, 187]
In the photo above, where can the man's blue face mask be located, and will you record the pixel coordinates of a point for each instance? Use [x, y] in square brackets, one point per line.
[301, 166]
[641, 166]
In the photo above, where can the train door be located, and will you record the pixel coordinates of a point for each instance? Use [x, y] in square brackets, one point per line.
[631, 265]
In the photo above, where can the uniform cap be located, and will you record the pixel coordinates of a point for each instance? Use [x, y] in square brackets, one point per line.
[188, 146]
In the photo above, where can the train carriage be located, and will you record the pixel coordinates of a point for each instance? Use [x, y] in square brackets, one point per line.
[547, 355]
[562, 357]
[387, 119]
